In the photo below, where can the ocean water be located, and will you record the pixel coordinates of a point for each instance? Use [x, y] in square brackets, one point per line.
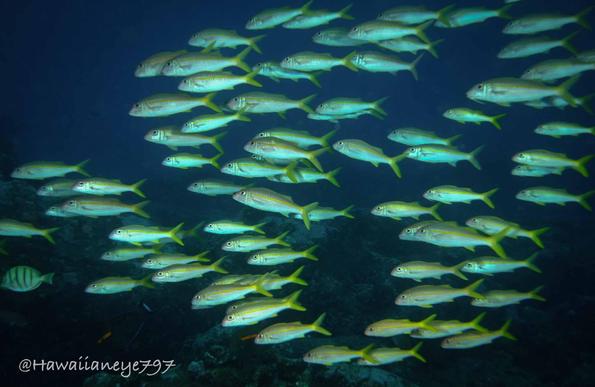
[68, 86]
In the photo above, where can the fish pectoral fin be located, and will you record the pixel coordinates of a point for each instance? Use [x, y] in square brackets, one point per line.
[137, 244]
[453, 164]
[561, 204]
[395, 218]
[374, 163]
[505, 104]
[470, 248]
[425, 306]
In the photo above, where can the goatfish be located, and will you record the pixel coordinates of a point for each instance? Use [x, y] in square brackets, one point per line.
[545, 158]
[270, 257]
[504, 91]
[213, 187]
[301, 138]
[464, 115]
[258, 102]
[414, 14]
[24, 279]
[57, 188]
[251, 168]
[283, 332]
[418, 270]
[253, 312]
[205, 123]
[361, 150]
[500, 298]
[226, 227]
[112, 285]
[534, 46]
[308, 175]
[544, 195]
[196, 62]
[449, 194]
[330, 354]
[427, 295]
[472, 15]
[153, 65]
[553, 69]
[137, 234]
[327, 213]
[392, 355]
[317, 61]
[342, 106]
[492, 225]
[160, 261]
[409, 233]
[128, 253]
[317, 18]
[273, 17]
[163, 105]
[436, 153]
[392, 327]
[273, 147]
[221, 38]
[379, 30]
[211, 81]
[99, 186]
[214, 295]
[93, 207]
[476, 339]
[415, 136]
[335, 118]
[558, 129]
[254, 242]
[39, 170]
[535, 23]
[442, 328]
[275, 72]
[173, 138]
[189, 160]
[410, 44]
[492, 265]
[397, 210]
[533, 171]
[376, 62]
[183, 272]
[336, 37]
[15, 228]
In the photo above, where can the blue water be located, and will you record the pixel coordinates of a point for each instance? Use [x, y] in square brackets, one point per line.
[68, 85]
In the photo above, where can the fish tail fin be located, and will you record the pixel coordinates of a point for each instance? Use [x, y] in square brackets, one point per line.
[503, 12]
[581, 165]
[485, 197]
[434, 212]
[280, 239]
[215, 141]
[312, 157]
[207, 100]
[316, 326]
[2, 249]
[331, 176]
[564, 90]
[567, 45]
[257, 228]
[534, 294]
[582, 200]
[306, 7]
[348, 63]
[146, 282]
[313, 77]
[504, 331]
[252, 43]
[420, 31]
[138, 209]
[240, 115]
[585, 102]
[136, 188]
[258, 286]
[294, 277]
[239, 60]
[474, 324]
[292, 301]
[414, 352]
[494, 241]
[193, 232]
[324, 139]
[213, 160]
[200, 257]
[250, 79]
[365, 354]
[534, 235]
[80, 168]
[173, 234]
[581, 18]
[413, 66]
[309, 253]
[454, 138]
[494, 120]
[530, 263]
[432, 47]
[375, 114]
[425, 323]
[470, 290]
[456, 270]
[377, 108]
[394, 164]
[47, 234]
[442, 13]
[306, 213]
[345, 212]
[48, 278]
[473, 157]
[343, 14]
[303, 104]
[216, 266]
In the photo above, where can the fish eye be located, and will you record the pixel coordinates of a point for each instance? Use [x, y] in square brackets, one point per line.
[355, 29]
[236, 99]
[94, 286]
[230, 317]
[155, 132]
[402, 296]
[319, 34]
[260, 336]
[160, 274]
[119, 232]
[81, 184]
[137, 105]
[261, 135]
[168, 159]
[210, 225]
[408, 231]
[243, 193]
[71, 202]
[423, 230]
[399, 269]
[340, 142]
[371, 329]
[480, 86]
[228, 244]
[197, 297]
